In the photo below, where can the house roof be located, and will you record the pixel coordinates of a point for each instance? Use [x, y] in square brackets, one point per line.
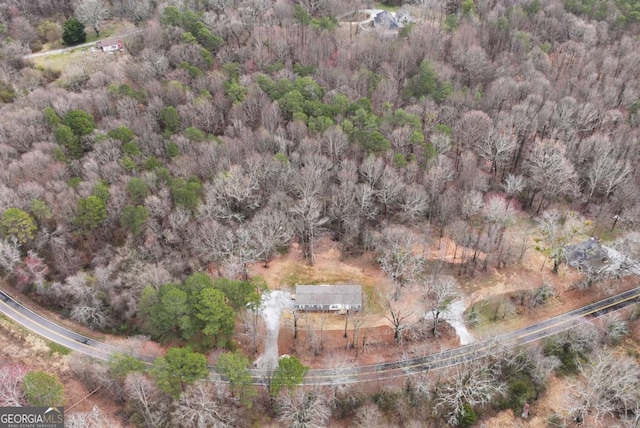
[588, 254]
[329, 295]
[110, 42]
[384, 17]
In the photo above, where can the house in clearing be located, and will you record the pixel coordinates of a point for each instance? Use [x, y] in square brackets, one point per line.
[110, 45]
[331, 298]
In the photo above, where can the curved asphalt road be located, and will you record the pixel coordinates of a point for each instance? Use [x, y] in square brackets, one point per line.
[77, 342]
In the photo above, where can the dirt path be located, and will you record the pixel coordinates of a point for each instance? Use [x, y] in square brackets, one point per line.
[74, 47]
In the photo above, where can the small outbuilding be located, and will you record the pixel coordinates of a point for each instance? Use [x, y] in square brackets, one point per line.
[330, 298]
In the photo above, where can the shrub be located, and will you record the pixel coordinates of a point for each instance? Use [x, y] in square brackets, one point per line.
[469, 416]
[345, 406]
[7, 93]
[521, 390]
[386, 400]
[43, 389]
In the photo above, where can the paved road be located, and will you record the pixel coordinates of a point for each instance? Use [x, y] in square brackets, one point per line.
[55, 332]
[475, 350]
[376, 372]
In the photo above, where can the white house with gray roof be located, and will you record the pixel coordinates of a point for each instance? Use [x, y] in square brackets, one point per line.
[330, 298]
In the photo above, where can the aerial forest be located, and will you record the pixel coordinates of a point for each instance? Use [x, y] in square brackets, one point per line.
[138, 188]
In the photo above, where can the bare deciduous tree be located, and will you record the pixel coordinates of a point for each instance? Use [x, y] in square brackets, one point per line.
[342, 369]
[473, 64]
[95, 418]
[439, 294]
[269, 230]
[398, 316]
[232, 195]
[496, 148]
[11, 394]
[469, 384]
[615, 329]
[436, 178]
[93, 13]
[556, 233]
[606, 172]
[134, 10]
[414, 204]
[203, 404]
[473, 126]
[308, 222]
[303, 409]
[549, 172]
[370, 416]
[146, 400]
[389, 190]
[9, 255]
[334, 143]
[580, 339]
[513, 185]
[83, 296]
[395, 248]
[209, 241]
[610, 386]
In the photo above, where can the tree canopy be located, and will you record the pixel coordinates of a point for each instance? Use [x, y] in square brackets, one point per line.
[73, 32]
[289, 373]
[234, 366]
[90, 213]
[18, 224]
[177, 369]
[195, 311]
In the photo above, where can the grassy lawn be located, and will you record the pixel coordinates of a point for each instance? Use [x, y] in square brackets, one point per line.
[56, 348]
[307, 275]
[372, 301]
[60, 61]
[490, 311]
[377, 5]
[108, 29]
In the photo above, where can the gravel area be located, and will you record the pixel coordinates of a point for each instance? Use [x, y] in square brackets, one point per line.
[272, 305]
[454, 315]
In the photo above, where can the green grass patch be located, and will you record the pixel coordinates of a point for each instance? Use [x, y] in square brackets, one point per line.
[297, 274]
[377, 5]
[57, 348]
[300, 274]
[488, 311]
[59, 62]
[372, 301]
[108, 30]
